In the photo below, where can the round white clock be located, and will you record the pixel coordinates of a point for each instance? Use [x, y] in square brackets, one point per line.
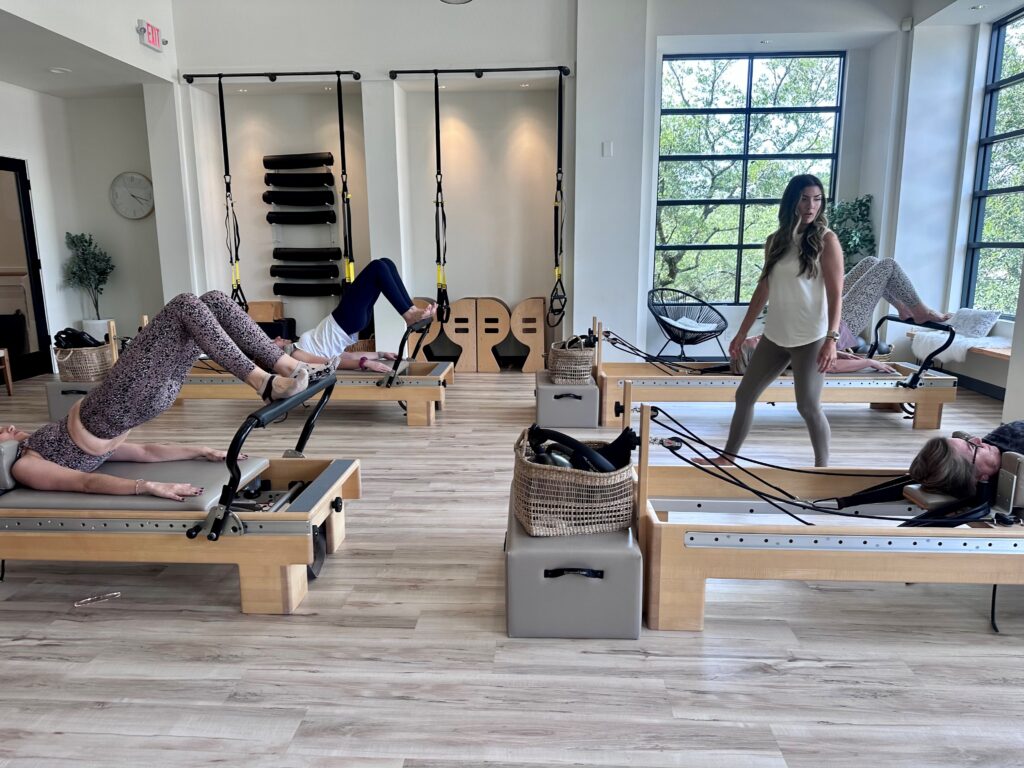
[131, 194]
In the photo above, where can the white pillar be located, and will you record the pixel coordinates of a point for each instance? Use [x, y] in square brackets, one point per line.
[1013, 405]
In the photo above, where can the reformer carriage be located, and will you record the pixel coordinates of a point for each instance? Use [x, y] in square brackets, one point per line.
[914, 389]
[695, 524]
[270, 518]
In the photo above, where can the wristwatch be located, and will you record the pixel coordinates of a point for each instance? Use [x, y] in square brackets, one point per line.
[834, 335]
[362, 362]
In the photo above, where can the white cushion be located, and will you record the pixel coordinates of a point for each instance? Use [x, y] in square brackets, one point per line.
[686, 324]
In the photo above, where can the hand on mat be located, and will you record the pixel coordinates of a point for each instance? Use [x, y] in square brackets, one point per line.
[173, 491]
[214, 454]
[377, 365]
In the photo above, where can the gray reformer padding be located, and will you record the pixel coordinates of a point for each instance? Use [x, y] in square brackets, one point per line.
[211, 476]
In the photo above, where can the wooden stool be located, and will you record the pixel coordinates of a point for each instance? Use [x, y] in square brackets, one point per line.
[528, 328]
[5, 363]
[493, 322]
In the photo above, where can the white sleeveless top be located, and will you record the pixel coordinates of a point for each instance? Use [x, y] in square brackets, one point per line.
[797, 308]
[326, 340]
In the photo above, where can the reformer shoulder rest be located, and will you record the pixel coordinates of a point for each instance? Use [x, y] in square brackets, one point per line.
[1009, 489]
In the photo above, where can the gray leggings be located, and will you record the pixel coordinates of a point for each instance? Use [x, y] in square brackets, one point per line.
[870, 280]
[768, 362]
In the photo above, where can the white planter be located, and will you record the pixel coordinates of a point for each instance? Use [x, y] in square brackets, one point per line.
[95, 328]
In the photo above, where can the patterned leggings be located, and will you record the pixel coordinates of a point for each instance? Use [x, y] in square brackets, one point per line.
[871, 280]
[146, 380]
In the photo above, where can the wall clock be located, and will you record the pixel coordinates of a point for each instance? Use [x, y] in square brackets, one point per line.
[131, 195]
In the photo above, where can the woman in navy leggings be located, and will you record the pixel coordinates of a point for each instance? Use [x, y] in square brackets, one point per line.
[340, 329]
[64, 455]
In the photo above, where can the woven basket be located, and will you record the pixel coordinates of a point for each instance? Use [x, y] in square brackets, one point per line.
[363, 345]
[84, 364]
[570, 366]
[555, 501]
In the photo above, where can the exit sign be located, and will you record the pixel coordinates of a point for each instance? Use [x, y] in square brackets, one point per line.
[149, 35]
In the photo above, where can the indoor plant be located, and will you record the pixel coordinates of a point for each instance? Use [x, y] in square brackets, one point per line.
[851, 221]
[89, 269]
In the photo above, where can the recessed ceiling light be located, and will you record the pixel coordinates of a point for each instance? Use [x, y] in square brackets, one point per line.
[328, 88]
[442, 87]
[455, 2]
[524, 85]
[243, 90]
[767, 42]
[977, 7]
[60, 70]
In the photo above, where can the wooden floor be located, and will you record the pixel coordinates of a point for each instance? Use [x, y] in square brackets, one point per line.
[398, 658]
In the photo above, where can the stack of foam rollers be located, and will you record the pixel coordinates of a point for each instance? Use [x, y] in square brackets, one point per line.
[302, 194]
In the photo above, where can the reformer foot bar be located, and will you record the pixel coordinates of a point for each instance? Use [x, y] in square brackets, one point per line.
[913, 386]
[418, 386]
[695, 525]
[267, 510]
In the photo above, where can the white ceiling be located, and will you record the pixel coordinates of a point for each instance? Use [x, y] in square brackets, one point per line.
[27, 52]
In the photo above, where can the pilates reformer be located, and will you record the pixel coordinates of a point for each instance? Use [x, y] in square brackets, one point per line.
[419, 388]
[916, 390]
[274, 519]
[698, 523]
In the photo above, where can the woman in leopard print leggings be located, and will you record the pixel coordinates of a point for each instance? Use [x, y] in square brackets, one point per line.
[143, 384]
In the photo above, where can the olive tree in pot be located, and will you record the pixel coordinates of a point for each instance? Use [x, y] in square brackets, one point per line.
[88, 269]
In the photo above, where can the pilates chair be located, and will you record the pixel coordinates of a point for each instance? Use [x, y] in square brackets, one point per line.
[5, 364]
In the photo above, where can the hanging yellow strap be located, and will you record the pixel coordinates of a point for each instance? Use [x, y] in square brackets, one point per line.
[442, 281]
[350, 271]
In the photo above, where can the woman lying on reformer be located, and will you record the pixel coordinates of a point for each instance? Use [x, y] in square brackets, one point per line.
[955, 465]
[869, 281]
[63, 456]
[340, 329]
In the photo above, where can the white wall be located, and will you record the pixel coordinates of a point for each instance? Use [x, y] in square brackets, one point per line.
[41, 137]
[108, 137]
[108, 27]
[498, 160]
[275, 121]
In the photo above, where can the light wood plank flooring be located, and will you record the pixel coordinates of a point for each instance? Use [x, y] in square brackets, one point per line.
[398, 657]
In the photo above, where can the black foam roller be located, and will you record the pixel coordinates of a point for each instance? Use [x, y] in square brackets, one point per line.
[304, 160]
[307, 289]
[325, 179]
[302, 217]
[292, 197]
[305, 272]
[307, 254]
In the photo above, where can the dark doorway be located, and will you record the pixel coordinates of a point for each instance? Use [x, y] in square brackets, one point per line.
[23, 330]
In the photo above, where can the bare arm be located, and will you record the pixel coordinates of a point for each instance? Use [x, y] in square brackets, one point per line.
[757, 302]
[855, 364]
[154, 452]
[36, 472]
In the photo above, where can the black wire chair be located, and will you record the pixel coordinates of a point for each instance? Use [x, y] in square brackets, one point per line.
[685, 319]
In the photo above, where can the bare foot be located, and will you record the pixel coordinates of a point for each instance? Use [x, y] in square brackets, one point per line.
[921, 313]
[717, 461]
[414, 315]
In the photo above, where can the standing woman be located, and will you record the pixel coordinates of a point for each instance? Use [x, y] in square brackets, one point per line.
[802, 283]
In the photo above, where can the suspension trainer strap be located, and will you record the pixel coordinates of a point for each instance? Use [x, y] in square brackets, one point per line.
[347, 256]
[557, 301]
[232, 236]
[444, 309]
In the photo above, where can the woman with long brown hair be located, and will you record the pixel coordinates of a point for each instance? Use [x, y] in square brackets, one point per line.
[802, 283]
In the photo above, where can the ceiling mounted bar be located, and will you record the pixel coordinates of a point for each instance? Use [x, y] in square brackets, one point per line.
[271, 76]
[477, 71]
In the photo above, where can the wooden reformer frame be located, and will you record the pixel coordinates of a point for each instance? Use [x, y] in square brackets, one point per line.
[726, 538]
[650, 384]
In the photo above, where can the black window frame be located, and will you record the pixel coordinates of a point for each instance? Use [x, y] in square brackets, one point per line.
[746, 156]
[986, 140]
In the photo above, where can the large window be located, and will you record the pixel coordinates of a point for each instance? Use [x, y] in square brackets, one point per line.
[992, 280]
[734, 129]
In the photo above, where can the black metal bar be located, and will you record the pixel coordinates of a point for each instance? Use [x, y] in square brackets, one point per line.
[772, 55]
[926, 364]
[419, 327]
[711, 247]
[999, 190]
[307, 428]
[719, 201]
[272, 412]
[478, 71]
[995, 138]
[748, 156]
[743, 111]
[271, 76]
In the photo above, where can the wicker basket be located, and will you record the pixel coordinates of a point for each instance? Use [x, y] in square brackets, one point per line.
[363, 345]
[84, 364]
[570, 366]
[555, 501]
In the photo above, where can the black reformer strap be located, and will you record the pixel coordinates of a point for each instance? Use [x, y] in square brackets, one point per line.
[232, 236]
[307, 289]
[347, 255]
[260, 419]
[444, 309]
[926, 364]
[298, 197]
[557, 300]
[307, 254]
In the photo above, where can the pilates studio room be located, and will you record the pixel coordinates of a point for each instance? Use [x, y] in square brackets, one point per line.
[511, 383]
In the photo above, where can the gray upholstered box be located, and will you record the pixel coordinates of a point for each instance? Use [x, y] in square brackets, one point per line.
[587, 586]
[566, 405]
[61, 395]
